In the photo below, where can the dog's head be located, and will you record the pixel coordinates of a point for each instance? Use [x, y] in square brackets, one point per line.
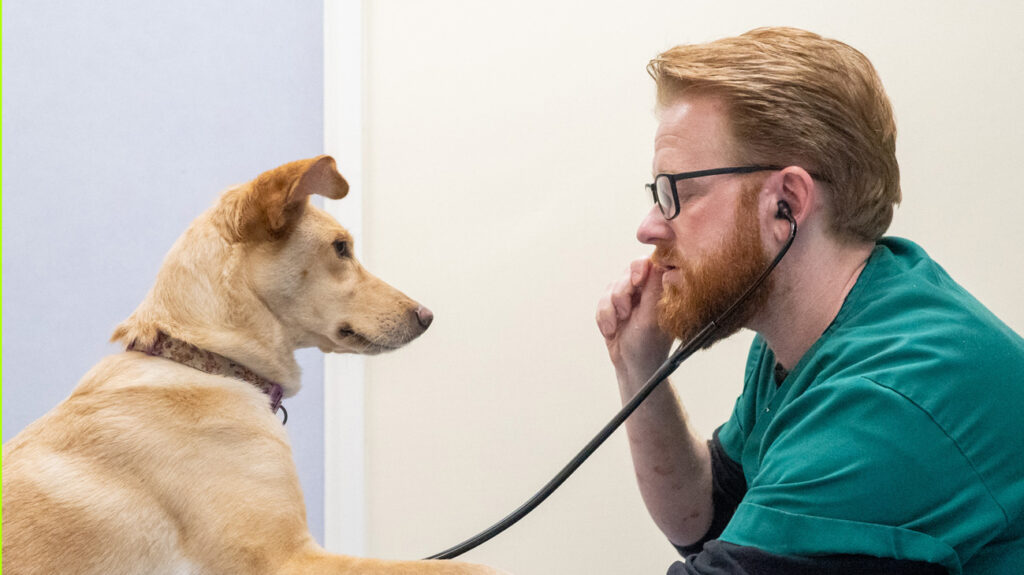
[265, 264]
[303, 268]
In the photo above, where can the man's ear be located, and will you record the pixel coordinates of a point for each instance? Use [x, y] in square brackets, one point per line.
[269, 205]
[794, 186]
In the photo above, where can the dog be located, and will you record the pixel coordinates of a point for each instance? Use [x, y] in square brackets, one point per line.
[169, 458]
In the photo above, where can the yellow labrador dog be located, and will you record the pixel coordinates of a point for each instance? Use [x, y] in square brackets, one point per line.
[169, 458]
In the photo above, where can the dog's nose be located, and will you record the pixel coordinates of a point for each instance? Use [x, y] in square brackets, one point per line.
[425, 316]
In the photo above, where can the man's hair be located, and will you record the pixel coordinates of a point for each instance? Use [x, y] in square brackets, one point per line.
[795, 98]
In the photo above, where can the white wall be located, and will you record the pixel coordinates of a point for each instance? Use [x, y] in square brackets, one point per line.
[506, 145]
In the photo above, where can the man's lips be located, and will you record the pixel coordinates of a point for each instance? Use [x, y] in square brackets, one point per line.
[670, 274]
[665, 260]
[663, 266]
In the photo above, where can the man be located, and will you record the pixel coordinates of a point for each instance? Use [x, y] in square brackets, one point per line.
[880, 428]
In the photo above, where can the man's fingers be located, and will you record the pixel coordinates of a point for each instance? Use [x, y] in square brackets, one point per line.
[652, 287]
[622, 298]
[639, 270]
[615, 307]
[606, 320]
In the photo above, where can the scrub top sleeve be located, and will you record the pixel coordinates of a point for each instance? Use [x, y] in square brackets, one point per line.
[823, 482]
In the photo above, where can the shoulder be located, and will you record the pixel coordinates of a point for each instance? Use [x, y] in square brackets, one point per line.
[905, 300]
[910, 333]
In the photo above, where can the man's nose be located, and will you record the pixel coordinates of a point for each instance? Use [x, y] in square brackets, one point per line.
[654, 228]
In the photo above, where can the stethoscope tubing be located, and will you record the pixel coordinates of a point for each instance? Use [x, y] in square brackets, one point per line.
[681, 354]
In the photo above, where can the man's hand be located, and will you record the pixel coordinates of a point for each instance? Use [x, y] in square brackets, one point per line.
[628, 319]
[672, 463]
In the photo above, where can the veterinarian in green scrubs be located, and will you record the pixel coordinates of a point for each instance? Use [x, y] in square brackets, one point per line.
[880, 427]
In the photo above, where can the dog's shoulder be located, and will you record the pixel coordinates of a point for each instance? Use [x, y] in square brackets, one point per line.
[140, 402]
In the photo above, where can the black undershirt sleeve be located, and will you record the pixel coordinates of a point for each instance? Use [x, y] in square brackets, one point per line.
[712, 557]
[722, 558]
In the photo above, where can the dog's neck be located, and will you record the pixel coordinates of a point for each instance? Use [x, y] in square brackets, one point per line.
[185, 353]
[200, 297]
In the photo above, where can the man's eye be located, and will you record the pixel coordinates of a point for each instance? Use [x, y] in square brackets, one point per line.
[341, 248]
[687, 191]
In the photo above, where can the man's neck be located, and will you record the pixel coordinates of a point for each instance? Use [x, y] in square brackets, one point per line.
[807, 297]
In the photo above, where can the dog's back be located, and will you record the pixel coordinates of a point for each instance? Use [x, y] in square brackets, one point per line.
[117, 478]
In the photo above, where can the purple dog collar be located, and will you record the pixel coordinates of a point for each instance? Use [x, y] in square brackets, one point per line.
[185, 353]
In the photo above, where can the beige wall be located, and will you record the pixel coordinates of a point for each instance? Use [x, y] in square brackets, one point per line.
[505, 149]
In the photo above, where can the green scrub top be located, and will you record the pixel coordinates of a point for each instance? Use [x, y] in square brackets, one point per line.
[899, 434]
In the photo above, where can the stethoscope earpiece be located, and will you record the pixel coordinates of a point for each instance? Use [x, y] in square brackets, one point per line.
[784, 212]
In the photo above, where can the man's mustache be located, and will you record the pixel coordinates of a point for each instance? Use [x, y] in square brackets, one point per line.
[666, 257]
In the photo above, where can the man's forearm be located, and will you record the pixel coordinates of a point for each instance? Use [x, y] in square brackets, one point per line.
[672, 464]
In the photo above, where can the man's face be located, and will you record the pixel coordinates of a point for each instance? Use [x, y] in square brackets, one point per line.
[712, 251]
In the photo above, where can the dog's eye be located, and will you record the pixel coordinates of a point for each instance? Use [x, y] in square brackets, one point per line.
[341, 248]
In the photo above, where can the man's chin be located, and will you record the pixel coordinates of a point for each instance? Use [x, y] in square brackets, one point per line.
[675, 315]
[681, 319]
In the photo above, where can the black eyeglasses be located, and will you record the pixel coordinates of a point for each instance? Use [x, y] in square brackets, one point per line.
[666, 192]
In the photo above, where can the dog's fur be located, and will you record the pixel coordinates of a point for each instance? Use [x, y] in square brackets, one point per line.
[157, 468]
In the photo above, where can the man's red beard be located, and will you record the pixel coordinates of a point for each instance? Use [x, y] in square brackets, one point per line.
[711, 285]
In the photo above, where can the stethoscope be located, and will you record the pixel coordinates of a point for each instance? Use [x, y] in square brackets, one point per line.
[681, 353]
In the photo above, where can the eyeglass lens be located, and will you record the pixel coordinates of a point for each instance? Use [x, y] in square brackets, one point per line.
[666, 201]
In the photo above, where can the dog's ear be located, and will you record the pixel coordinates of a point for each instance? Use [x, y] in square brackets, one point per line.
[282, 193]
[271, 203]
[320, 176]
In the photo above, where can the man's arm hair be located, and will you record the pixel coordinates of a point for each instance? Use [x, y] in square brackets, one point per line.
[728, 486]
